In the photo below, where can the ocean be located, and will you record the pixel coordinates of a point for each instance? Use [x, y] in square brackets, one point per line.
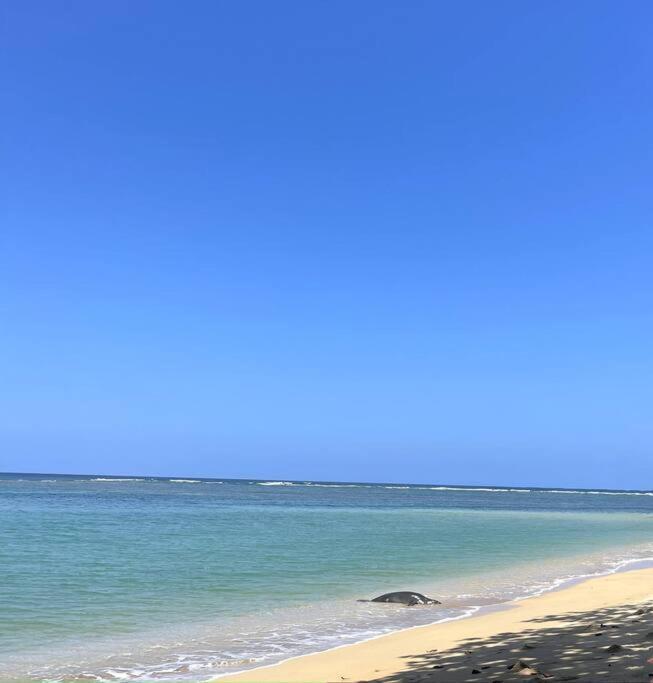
[141, 578]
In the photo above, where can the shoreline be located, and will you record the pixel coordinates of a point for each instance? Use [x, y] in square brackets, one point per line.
[384, 657]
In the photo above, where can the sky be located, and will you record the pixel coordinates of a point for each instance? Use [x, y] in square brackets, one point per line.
[360, 241]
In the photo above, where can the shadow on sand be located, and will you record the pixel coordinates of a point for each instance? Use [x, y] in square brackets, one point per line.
[602, 645]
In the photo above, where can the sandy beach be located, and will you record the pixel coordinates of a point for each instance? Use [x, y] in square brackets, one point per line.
[599, 629]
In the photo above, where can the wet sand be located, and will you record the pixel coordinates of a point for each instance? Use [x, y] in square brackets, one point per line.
[597, 630]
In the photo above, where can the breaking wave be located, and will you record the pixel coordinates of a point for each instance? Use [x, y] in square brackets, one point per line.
[275, 483]
[114, 479]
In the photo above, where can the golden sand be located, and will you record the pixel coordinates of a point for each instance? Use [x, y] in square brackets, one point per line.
[596, 630]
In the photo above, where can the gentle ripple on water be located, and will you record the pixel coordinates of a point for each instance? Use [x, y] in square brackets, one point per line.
[141, 578]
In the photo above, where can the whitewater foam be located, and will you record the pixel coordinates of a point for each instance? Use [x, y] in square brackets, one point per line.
[276, 483]
[113, 479]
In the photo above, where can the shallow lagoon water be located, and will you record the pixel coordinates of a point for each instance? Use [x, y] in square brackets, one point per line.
[141, 578]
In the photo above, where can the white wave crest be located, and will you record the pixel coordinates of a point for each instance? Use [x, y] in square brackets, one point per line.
[337, 486]
[115, 479]
[465, 489]
[473, 490]
[276, 483]
[602, 493]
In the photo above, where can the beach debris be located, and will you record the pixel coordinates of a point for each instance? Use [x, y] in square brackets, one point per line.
[519, 664]
[408, 598]
[615, 647]
[522, 668]
[644, 610]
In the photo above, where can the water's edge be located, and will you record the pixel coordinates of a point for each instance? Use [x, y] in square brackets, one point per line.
[139, 579]
[473, 611]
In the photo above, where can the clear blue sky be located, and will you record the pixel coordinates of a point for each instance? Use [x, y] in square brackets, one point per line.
[387, 241]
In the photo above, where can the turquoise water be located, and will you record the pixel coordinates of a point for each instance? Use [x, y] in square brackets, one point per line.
[133, 579]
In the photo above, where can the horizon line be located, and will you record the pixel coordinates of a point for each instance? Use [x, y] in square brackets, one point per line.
[322, 481]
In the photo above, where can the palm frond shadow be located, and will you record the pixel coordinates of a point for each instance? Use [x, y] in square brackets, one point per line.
[601, 645]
